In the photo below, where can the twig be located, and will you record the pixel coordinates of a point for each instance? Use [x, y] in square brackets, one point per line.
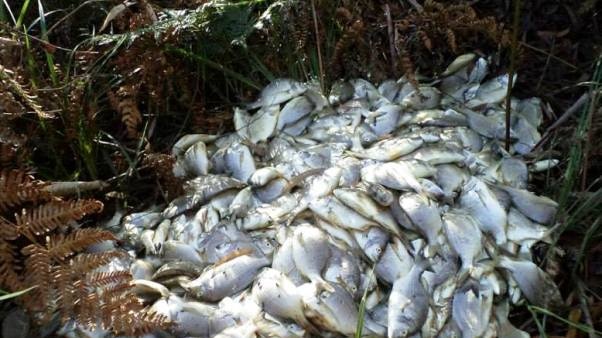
[516, 19]
[71, 13]
[584, 308]
[416, 5]
[522, 43]
[589, 138]
[562, 119]
[545, 67]
[391, 41]
[320, 63]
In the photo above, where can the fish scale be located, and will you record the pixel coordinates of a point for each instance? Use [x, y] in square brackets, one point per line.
[377, 190]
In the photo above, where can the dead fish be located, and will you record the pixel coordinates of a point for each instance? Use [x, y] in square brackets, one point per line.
[226, 279]
[331, 310]
[188, 140]
[458, 63]
[262, 124]
[514, 173]
[372, 242]
[543, 165]
[278, 91]
[472, 310]
[401, 175]
[205, 187]
[464, 236]
[174, 250]
[384, 119]
[283, 261]
[362, 203]
[240, 162]
[537, 286]
[485, 125]
[521, 229]
[341, 91]
[422, 98]
[160, 235]
[293, 111]
[311, 251]
[440, 154]
[388, 150]
[408, 304]
[343, 268]
[424, 215]
[196, 161]
[438, 118]
[380, 194]
[279, 297]
[478, 200]
[271, 327]
[243, 202]
[177, 268]
[335, 212]
[541, 209]
[394, 262]
[505, 328]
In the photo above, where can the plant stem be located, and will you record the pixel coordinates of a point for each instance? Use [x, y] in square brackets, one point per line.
[513, 52]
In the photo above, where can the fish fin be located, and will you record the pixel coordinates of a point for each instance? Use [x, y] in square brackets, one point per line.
[321, 284]
[296, 180]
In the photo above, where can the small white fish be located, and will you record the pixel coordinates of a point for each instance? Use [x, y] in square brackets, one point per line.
[364, 205]
[226, 279]
[389, 150]
[278, 91]
[293, 111]
[478, 200]
[541, 209]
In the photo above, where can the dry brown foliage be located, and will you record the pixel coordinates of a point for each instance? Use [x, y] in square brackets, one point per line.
[42, 246]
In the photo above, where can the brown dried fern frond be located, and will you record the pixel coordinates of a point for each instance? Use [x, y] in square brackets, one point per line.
[17, 187]
[60, 246]
[87, 262]
[54, 214]
[125, 102]
[9, 267]
[109, 278]
[20, 94]
[38, 273]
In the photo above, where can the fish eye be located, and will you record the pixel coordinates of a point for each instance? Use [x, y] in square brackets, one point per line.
[379, 250]
[323, 295]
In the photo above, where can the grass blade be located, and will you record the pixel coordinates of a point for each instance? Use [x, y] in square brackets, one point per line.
[24, 8]
[15, 294]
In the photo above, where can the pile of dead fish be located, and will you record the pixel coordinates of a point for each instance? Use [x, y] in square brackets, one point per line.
[399, 198]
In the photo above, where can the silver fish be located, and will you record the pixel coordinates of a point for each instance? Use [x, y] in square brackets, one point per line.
[464, 236]
[394, 263]
[422, 98]
[472, 310]
[478, 200]
[537, 286]
[226, 279]
[293, 111]
[278, 296]
[388, 150]
[408, 304]
[311, 252]
[362, 203]
[541, 209]
[424, 215]
[335, 212]
[240, 162]
[196, 161]
[263, 124]
[278, 91]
